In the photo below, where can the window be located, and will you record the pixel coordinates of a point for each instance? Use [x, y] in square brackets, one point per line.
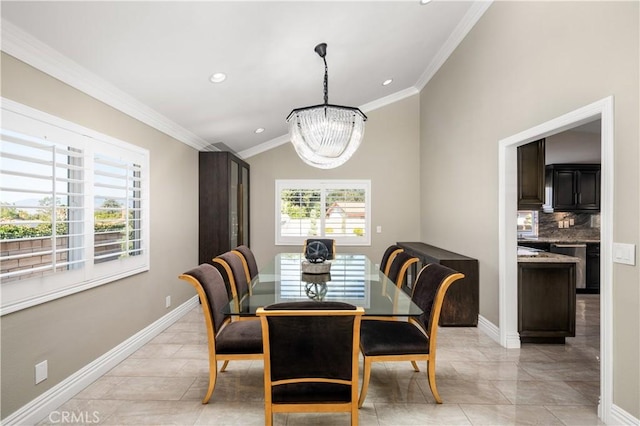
[74, 208]
[527, 223]
[329, 209]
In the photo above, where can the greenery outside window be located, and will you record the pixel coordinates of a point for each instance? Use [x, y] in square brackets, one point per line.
[338, 209]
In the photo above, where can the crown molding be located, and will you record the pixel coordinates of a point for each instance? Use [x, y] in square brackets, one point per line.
[469, 20]
[41, 56]
[390, 99]
[263, 147]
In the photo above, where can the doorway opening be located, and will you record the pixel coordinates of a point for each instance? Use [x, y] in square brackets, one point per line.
[508, 315]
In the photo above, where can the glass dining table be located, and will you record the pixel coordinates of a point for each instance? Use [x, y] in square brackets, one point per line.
[352, 279]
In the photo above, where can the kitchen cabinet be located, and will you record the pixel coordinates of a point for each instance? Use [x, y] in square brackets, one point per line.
[593, 268]
[575, 187]
[546, 301]
[461, 303]
[223, 204]
[531, 175]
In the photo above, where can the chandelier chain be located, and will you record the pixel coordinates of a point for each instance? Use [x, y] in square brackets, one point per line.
[326, 82]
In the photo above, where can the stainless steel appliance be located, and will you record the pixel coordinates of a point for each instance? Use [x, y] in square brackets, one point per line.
[578, 250]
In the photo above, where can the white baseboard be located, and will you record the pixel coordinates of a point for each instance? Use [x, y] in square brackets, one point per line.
[38, 408]
[619, 416]
[489, 328]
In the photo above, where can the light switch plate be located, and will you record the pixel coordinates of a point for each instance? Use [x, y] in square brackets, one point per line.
[41, 371]
[624, 253]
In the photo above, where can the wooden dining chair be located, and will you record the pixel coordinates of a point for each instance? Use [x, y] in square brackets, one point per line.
[412, 340]
[248, 260]
[227, 340]
[399, 267]
[231, 268]
[387, 257]
[311, 357]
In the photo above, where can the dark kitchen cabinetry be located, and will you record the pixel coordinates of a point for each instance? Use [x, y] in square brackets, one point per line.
[461, 304]
[223, 204]
[531, 175]
[575, 187]
[593, 268]
[546, 302]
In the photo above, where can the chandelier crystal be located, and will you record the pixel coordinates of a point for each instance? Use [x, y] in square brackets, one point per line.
[326, 136]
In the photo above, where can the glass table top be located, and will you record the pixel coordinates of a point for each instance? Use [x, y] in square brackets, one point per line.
[352, 279]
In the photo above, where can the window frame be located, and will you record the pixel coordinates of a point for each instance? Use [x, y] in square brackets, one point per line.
[323, 185]
[28, 292]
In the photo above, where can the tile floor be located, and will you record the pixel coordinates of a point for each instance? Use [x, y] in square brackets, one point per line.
[480, 382]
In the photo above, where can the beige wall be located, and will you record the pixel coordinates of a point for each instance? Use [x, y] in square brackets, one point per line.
[73, 331]
[523, 64]
[388, 156]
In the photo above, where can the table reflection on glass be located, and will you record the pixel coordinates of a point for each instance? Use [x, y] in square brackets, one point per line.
[353, 279]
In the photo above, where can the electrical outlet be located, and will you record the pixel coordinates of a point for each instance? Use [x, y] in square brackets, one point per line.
[167, 302]
[561, 224]
[379, 229]
[572, 222]
[41, 371]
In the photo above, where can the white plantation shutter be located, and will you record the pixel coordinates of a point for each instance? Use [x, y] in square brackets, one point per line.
[338, 209]
[74, 208]
[118, 212]
[47, 235]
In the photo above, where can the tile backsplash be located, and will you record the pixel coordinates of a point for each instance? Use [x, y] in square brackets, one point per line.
[585, 225]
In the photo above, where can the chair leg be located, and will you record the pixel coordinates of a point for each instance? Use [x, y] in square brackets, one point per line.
[415, 367]
[365, 381]
[431, 373]
[268, 416]
[224, 365]
[213, 375]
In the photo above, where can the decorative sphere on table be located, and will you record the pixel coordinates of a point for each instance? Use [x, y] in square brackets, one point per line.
[316, 252]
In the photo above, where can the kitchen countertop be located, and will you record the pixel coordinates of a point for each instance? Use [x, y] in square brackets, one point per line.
[527, 255]
[556, 240]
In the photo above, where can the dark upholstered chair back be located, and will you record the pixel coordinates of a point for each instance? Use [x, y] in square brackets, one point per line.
[387, 257]
[250, 259]
[311, 357]
[215, 291]
[232, 269]
[330, 243]
[425, 290]
[399, 266]
[311, 346]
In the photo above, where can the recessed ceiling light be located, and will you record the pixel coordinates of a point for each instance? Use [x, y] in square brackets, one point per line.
[218, 77]
[259, 130]
[425, 1]
[387, 82]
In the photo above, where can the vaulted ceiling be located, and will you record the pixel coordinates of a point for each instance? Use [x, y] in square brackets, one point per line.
[153, 60]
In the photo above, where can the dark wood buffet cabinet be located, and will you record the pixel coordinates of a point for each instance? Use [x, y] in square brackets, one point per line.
[223, 204]
[462, 302]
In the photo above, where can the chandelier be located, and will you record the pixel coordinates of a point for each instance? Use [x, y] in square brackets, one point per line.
[326, 136]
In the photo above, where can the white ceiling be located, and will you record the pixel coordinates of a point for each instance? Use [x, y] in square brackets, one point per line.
[156, 57]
